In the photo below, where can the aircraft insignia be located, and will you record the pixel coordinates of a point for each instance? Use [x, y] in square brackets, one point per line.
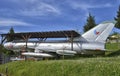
[96, 32]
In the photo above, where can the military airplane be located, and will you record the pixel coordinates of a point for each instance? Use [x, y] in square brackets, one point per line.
[91, 42]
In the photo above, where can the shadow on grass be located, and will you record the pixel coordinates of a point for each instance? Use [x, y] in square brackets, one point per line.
[113, 54]
[78, 56]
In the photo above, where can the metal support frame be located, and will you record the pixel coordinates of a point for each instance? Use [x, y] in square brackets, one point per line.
[41, 39]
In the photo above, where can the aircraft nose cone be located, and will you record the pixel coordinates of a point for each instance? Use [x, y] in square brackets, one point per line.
[5, 45]
[8, 46]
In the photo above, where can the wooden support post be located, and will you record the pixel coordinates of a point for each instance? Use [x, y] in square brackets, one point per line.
[40, 39]
[2, 39]
[45, 39]
[26, 41]
[6, 70]
[24, 37]
[71, 41]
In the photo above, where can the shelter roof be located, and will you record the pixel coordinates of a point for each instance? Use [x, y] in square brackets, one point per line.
[48, 34]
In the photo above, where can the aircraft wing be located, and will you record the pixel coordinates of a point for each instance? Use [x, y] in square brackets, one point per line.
[37, 54]
[59, 52]
[48, 53]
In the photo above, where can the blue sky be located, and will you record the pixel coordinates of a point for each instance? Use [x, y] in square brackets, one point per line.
[51, 15]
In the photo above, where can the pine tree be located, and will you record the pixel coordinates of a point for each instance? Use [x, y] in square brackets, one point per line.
[117, 19]
[9, 38]
[11, 30]
[90, 23]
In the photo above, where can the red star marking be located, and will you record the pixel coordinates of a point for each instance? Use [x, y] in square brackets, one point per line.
[97, 33]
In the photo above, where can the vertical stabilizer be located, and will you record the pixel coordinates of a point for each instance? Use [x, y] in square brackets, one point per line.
[100, 32]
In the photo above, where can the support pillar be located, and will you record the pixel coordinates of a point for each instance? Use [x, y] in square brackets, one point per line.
[2, 39]
[71, 40]
[26, 40]
[26, 37]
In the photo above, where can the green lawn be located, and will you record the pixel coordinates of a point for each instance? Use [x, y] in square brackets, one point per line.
[108, 66]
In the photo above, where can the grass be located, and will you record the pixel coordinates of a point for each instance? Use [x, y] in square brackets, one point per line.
[82, 67]
[113, 49]
[113, 46]
[97, 66]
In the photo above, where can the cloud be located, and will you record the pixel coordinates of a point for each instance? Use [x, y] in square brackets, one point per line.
[32, 8]
[41, 9]
[86, 6]
[9, 22]
[31, 1]
[5, 24]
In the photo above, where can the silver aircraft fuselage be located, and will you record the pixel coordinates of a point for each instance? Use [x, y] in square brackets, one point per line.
[79, 47]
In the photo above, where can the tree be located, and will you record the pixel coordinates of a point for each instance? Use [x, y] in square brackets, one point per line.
[117, 25]
[90, 23]
[9, 38]
[117, 19]
[11, 31]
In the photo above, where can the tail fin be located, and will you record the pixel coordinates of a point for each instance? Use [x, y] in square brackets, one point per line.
[100, 32]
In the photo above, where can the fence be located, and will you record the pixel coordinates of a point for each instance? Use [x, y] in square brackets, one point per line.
[4, 58]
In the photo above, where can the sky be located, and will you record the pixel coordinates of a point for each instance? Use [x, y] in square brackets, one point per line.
[52, 15]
